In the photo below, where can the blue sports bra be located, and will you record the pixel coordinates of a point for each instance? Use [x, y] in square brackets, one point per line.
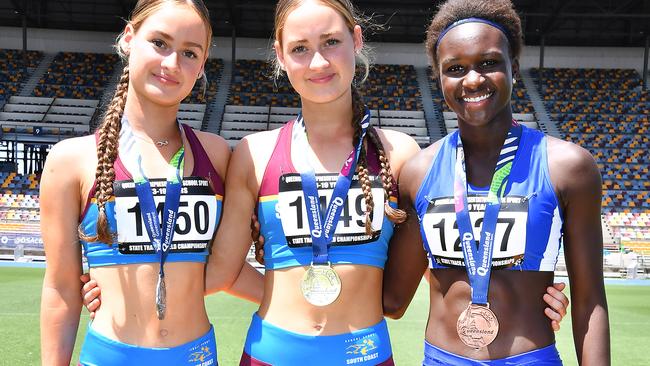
[198, 216]
[282, 214]
[529, 226]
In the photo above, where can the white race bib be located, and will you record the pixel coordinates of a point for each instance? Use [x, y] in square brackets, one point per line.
[350, 229]
[441, 230]
[195, 225]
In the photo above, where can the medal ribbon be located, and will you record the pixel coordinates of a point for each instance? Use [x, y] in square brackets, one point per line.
[161, 236]
[322, 228]
[478, 261]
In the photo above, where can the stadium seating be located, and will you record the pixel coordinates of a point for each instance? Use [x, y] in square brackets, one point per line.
[19, 212]
[77, 75]
[15, 68]
[391, 87]
[52, 116]
[239, 121]
[213, 70]
[630, 226]
[606, 112]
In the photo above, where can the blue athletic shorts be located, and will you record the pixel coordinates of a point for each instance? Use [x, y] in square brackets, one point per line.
[99, 350]
[266, 344]
[547, 356]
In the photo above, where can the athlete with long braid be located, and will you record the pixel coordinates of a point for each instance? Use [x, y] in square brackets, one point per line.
[102, 190]
[322, 299]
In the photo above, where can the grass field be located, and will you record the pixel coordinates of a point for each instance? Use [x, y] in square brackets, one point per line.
[629, 311]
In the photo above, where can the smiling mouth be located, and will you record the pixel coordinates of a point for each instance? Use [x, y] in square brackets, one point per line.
[166, 79]
[322, 79]
[479, 98]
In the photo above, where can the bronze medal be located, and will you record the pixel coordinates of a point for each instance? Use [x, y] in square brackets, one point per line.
[477, 326]
[320, 285]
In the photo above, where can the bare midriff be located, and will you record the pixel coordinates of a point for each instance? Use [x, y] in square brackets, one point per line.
[128, 309]
[514, 296]
[357, 307]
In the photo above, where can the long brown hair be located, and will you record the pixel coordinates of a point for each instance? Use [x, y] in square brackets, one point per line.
[109, 130]
[352, 18]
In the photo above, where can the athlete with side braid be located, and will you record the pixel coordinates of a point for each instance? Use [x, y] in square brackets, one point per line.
[103, 191]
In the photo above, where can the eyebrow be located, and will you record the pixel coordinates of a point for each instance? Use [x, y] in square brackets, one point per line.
[169, 37]
[484, 54]
[322, 36]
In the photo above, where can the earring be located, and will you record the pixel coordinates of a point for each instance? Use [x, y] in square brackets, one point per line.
[514, 81]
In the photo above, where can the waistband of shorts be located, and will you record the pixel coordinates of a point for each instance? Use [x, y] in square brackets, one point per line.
[100, 338]
[368, 346]
[549, 355]
[257, 321]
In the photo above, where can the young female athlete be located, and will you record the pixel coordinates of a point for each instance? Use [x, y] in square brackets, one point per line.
[97, 190]
[492, 202]
[323, 284]
[322, 298]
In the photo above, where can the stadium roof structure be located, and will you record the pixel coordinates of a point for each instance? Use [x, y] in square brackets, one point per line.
[601, 23]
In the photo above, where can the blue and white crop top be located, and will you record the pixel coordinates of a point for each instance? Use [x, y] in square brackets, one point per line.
[529, 227]
[282, 214]
[198, 216]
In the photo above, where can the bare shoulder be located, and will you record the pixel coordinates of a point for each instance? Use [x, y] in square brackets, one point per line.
[217, 149]
[416, 168]
[263, 137]
[399, 147]
[565, 152]
[73, 155]
[252, 154]
[571, 167]
[260, 146]
[212, 142]
[70, 167]
[568, 157]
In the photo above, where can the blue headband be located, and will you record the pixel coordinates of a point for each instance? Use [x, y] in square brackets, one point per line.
[472, 20]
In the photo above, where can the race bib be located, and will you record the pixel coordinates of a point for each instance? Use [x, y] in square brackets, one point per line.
[195, 226]
[441, 230]
[350, 230]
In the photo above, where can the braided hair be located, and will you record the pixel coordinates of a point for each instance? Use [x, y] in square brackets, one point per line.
[109, 130]
[386, 175]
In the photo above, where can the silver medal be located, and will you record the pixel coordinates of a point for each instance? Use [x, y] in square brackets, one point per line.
[320, 285]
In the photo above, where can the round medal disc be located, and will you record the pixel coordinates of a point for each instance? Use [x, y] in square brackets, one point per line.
[320, 285]
[477, 326]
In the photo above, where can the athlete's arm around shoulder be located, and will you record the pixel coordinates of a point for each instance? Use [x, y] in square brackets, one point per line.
[233, 239]
[62, 183]
[407, 260]
[577, 181]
